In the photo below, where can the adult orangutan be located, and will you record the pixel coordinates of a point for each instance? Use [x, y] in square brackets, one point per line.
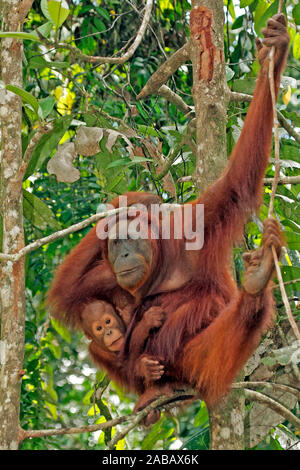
[211, 328]
[85, 275]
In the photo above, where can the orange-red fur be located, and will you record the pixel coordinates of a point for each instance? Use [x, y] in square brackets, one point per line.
[211, 327]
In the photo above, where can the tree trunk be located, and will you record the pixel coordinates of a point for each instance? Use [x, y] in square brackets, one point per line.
[209, 89]
[211, 100]
[12, 288]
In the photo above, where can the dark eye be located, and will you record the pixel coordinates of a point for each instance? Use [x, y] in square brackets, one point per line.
[107, 321]
[99, 328]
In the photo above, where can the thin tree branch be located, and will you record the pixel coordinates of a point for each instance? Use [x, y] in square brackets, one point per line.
[165, 71]
[108, 60]
[283, 180]
[267, 181]
[56, 235]
[270, 386]
[134, 420]
[24, 434]
[287, 283]
[274, 405]
[172, 97]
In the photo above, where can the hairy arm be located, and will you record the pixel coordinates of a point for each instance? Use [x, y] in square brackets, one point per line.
[238, 192]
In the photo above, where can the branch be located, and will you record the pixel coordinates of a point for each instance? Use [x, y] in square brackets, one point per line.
[267, 181]
[23, 434]
[171, 96]
[134, 420]
[283, 180]
[108, 60]
[172, 400]
[268, 385]
[274, 405]
[165, 71]
[286, 283]
[238, 97]
[56, 235]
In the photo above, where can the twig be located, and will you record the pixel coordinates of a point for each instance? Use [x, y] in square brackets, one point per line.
[287, 283]
[274, 405]
[268, 385]
[56, 235]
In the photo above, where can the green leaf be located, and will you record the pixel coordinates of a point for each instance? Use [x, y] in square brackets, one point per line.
[61, 330]
[238, 23]
[293, 240]
[52, 409]
[262, 21]
[229, 73]
[55, 349]
[45, 29]
[231, 9]
[245, 3]
[245, 85]
[44, 8]
[58, 11]
[103, 12]
[290, 273]
[296, 13]
[46, 106]
[296, 47]
[20, 35]
[27, 97]
[38, 213]
[147, 130]
[99, 24]
[47, 144]
[40, 63]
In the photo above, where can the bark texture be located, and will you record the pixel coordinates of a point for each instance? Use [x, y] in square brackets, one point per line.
[12, 274]
[209, 89]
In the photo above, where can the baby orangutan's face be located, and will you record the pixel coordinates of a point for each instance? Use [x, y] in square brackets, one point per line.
[102, 325]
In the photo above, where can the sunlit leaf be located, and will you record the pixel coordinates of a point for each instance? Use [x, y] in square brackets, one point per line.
[56, 11]
[61, 330]
[20, 35]
[286, 97]
[296, 47]
[26, 97]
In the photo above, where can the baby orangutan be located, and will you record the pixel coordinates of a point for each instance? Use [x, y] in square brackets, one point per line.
[106, 330]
